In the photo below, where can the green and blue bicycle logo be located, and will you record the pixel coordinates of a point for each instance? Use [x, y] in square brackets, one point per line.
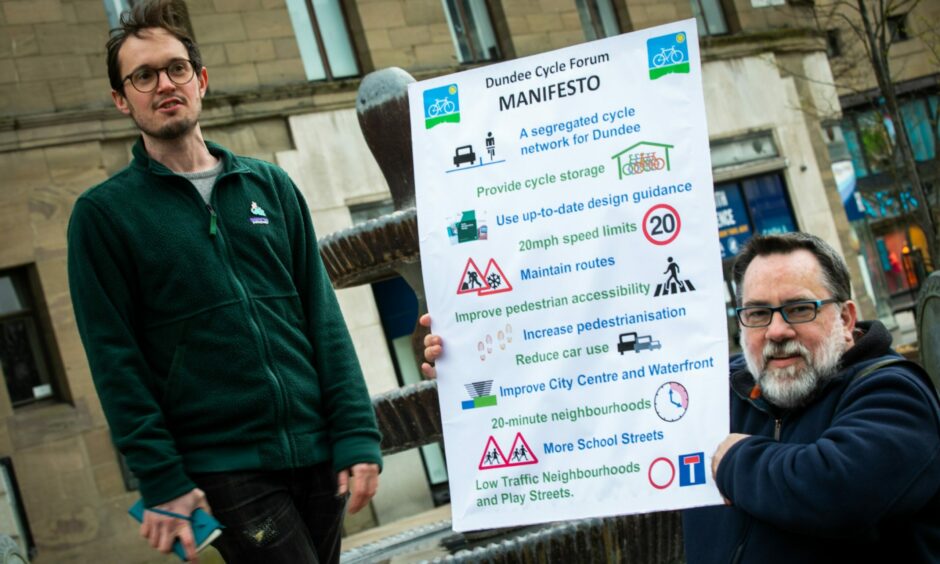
[668, 54]
[441, 105]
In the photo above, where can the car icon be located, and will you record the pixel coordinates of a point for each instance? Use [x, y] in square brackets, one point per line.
[627, 342]
[464, 154]
[646, 342]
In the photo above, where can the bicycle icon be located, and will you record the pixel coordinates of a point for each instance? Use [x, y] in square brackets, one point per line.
[441, 107]
[668, 56]
[642, 162]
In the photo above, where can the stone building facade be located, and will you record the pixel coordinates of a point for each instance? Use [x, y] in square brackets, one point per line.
[768, 90]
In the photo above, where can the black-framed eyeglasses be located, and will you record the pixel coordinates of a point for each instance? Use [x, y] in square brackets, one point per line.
[145, 79]
[802, 311]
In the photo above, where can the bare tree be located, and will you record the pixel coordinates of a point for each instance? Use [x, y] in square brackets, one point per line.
[872, 23]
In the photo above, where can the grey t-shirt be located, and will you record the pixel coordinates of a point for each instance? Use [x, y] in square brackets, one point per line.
[204, 179]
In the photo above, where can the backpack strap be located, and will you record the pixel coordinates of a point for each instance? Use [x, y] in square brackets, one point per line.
[902, 362]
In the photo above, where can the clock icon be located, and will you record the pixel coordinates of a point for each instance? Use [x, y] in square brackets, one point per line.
[671, 401]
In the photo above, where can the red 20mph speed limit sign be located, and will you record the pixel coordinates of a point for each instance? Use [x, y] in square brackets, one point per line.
[661, 224]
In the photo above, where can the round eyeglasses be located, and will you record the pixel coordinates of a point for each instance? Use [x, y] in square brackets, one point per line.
[802, 311]
[145, 79]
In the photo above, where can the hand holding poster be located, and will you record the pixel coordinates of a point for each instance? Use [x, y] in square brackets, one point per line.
[572, 266]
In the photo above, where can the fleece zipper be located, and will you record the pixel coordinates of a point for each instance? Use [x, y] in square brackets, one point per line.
[213, 221]
[216, 231]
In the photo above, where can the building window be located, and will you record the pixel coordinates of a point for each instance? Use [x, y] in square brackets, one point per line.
[854, 144]
[919, 126]
[598, 19]
[471, 30]
[23, 355]
[833, 43]
[323, 38]
[877, 138]
[871, 135]
[897, 28]
[710, 17]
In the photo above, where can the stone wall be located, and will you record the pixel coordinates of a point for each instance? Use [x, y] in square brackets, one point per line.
[246, 43]
[411, 34]
[51, 56]
[647, 13]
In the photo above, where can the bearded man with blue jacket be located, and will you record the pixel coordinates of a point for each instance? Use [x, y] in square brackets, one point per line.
[215, 341]
[831, 458]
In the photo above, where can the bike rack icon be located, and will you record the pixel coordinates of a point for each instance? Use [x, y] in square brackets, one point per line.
[632, 161]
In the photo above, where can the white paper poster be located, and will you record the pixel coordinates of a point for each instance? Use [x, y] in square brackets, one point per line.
[572, 265]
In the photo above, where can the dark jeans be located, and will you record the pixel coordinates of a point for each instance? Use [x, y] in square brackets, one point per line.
[271, 517]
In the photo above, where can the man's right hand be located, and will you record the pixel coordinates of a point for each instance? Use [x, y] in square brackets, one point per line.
[161, 530]
[433, 348]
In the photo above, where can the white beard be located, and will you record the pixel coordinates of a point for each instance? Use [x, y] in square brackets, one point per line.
[791, 386]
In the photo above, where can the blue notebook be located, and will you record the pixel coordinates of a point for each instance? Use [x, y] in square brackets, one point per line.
[205, 528]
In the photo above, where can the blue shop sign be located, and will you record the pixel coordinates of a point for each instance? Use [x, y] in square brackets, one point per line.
[734, 228]
[754, 205]
[767, 201]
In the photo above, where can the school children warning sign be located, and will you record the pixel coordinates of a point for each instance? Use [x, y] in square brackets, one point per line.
[572, 266]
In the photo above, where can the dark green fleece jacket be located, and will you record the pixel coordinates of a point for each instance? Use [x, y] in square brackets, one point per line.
[213, 334]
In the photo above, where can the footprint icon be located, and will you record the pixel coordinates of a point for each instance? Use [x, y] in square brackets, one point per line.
[489, 345]
[508, 333]
[501, 339]
[480, 349]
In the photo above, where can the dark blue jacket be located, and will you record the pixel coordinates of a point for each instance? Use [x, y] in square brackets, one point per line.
[852, 477]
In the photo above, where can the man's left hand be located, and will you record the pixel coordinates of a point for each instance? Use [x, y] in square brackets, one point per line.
[365, 480]
[729, 442]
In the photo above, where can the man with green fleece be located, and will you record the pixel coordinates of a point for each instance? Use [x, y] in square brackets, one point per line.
[217, 346]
